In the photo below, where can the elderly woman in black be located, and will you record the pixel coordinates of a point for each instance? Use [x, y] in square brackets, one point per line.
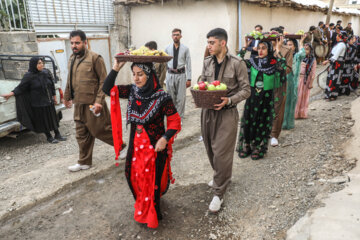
[35, 98]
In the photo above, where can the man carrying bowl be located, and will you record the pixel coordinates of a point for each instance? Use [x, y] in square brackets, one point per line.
[219, 125]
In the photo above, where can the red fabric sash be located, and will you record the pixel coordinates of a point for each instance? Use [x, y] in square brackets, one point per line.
[173, 122]
[116, 121]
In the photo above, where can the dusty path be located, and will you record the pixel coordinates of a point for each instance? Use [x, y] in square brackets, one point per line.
[264, 200]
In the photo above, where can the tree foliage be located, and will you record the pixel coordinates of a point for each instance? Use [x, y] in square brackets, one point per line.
[7, 17]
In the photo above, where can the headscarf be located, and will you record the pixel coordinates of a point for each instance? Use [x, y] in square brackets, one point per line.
[267, 64]
[295, 42]
[43, 76]
[309, 60]
[33, 64]
[343, 36]
[145, 102]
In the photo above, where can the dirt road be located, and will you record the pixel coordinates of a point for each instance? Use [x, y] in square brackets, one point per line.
[265, 198]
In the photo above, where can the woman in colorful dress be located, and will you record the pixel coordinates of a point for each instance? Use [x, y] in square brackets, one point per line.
[266, 72]
[147, 169]
[336, 69]
[307, 76]
[292, 83]
[348, 79]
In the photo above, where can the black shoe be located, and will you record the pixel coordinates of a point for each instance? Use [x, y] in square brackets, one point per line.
[60, 138]
[52, 140]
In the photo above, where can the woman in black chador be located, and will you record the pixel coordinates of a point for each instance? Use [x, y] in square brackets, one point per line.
[35, 99]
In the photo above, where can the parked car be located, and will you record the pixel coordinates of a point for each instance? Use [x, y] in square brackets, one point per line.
[12, 69]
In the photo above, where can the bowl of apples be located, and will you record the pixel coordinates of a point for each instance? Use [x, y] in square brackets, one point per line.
[206, 95]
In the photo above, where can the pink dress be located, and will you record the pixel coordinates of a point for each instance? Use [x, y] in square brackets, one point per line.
[302, 104]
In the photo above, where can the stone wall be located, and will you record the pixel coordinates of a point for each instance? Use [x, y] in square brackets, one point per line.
[120, 39]
[23, 43]
[18, 43]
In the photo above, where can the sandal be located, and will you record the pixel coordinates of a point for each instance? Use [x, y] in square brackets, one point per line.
[256, 155]
[244, 153]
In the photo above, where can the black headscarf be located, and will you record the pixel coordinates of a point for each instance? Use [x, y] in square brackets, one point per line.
[146, 101]
[150, 86]
[33, 64]
[343, 36]
[267, 64]
[309, 61]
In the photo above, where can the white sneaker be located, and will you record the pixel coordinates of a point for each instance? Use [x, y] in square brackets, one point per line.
[215, 204]
[274, 142]
[211, 183]
[123, 153]
[78, 167]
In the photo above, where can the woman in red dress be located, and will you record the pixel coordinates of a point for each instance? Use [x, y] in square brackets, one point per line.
[147, 169]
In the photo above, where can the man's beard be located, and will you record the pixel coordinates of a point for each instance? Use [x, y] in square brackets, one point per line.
[79, 53]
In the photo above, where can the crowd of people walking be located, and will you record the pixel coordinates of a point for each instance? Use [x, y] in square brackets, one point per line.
[274, 81]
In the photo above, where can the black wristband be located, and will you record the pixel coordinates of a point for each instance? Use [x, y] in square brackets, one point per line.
[166, 137]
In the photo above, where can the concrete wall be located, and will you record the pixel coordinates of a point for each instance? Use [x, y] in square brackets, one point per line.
[195, 18]
[17, 43]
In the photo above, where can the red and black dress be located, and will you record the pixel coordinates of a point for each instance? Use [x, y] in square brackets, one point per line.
[148, 172]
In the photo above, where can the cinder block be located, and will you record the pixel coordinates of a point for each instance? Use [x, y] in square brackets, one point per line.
[30, 48]
[19, 37]
[32, 37]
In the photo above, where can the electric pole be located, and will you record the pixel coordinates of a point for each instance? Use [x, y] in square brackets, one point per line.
[331, 4]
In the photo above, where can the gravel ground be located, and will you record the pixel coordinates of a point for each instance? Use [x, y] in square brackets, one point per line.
[265, 198]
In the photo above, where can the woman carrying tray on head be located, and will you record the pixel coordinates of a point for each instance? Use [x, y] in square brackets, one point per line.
[307, 76]
[265, 74]
[336, 67]
[147, 167]
[292, 82]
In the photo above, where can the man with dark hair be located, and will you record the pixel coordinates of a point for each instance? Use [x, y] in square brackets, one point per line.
[319, 38]
[338, 23]
[152, 45]
[254, 43]
[349, 30]
[335, 33]
[219, 125]
[160, 68]
[86, 76]
[178, 76]
[258, 28]
[310, 35]
[328, 32]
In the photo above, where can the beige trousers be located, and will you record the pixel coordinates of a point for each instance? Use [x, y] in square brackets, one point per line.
[219, 131]
[89, 127]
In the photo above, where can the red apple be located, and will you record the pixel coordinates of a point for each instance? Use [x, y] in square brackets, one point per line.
[202, 86]
[216, 83]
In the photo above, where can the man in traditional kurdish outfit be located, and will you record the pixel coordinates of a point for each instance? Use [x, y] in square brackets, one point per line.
[319, 38]
[178, 76]
[280, 94]
[160, 68]
[86, 76]
[219, 125]
[310, 35]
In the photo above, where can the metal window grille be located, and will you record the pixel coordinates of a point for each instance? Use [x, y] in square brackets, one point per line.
[65, 15]
[14, 15]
